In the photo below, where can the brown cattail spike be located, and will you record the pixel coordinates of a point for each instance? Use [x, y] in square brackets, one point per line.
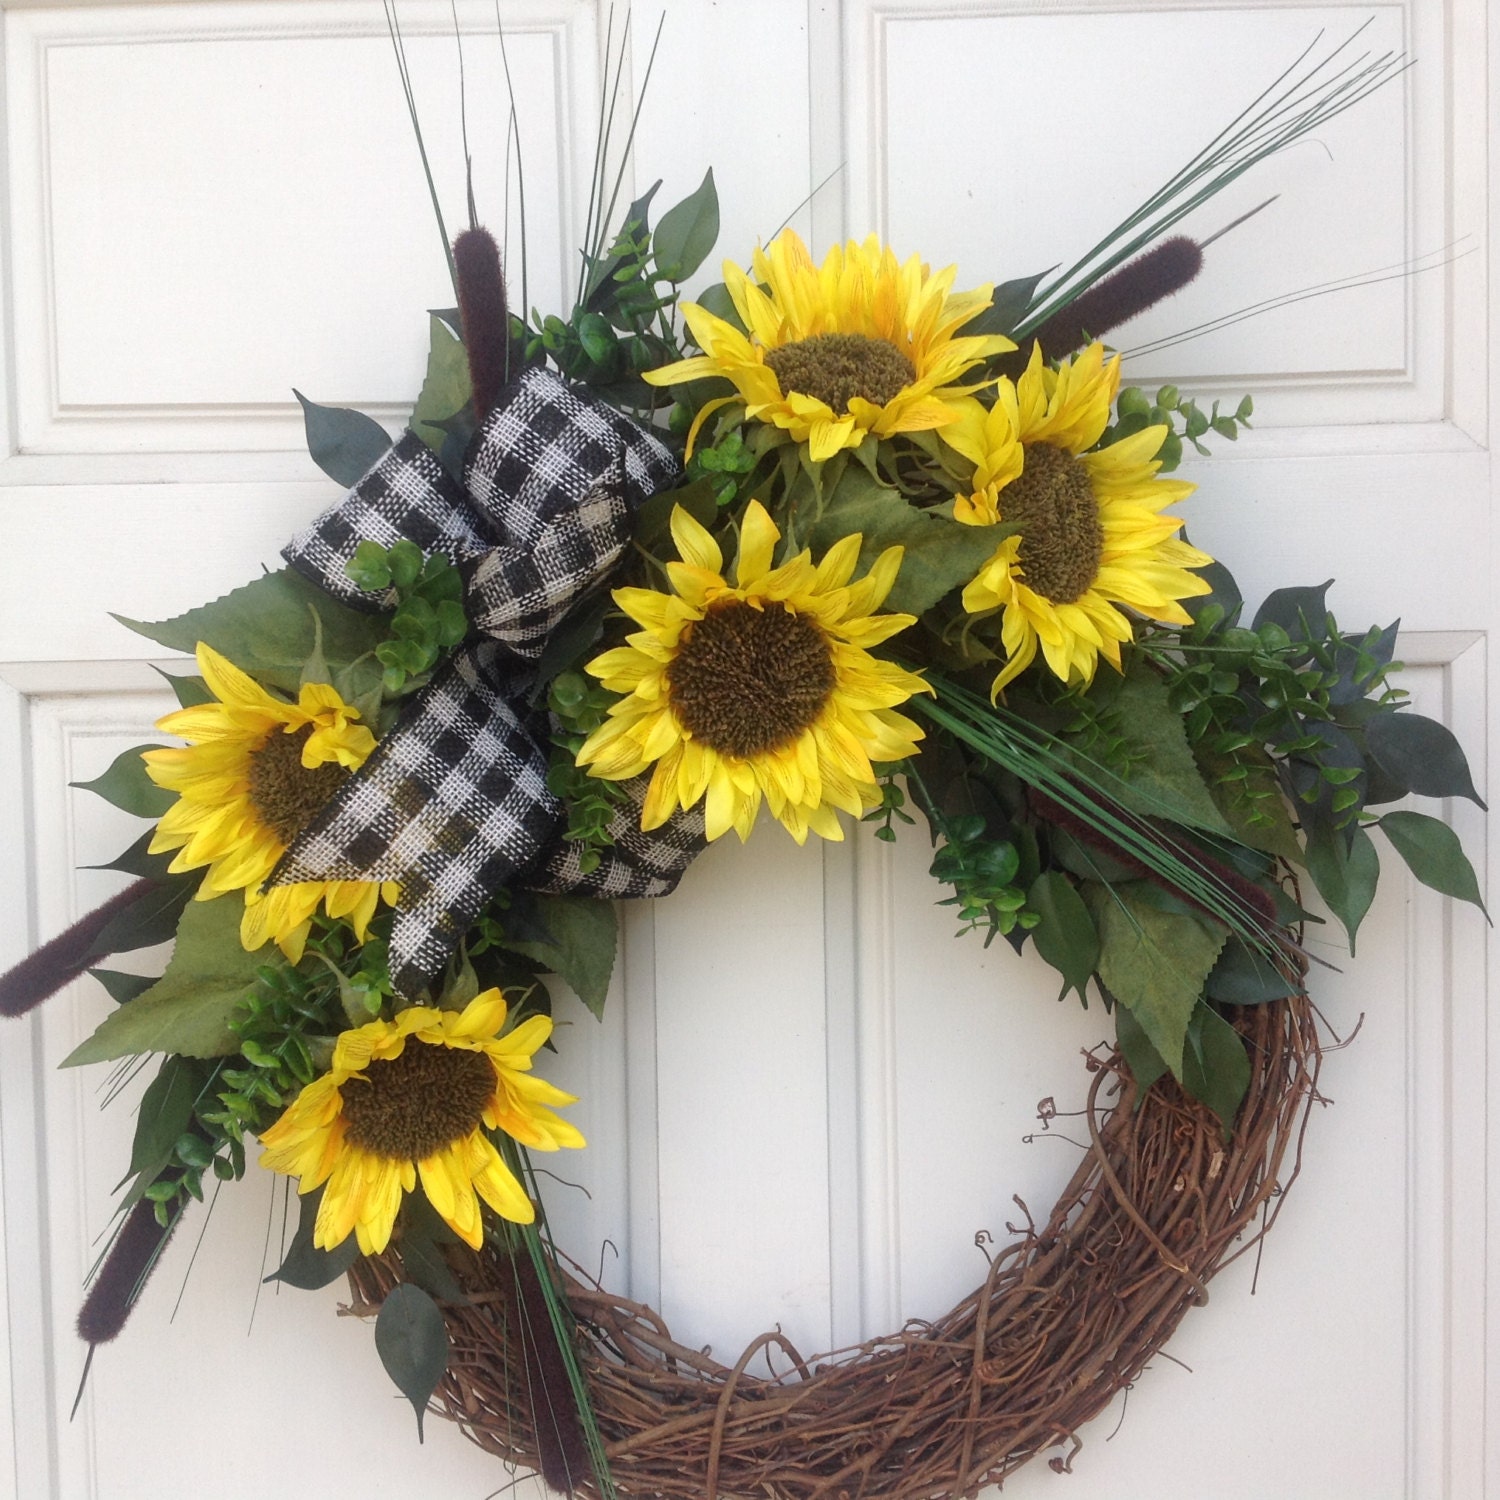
[1124, 294]
[562, 1455]
[122, 1277]
[484, 314]
[63, 959]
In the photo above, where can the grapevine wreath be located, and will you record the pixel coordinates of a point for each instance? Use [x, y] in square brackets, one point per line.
[844, 543]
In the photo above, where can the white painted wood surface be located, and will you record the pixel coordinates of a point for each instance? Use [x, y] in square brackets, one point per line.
[807, 1098]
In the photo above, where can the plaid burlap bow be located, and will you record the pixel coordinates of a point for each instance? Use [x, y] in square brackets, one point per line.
[453, 804]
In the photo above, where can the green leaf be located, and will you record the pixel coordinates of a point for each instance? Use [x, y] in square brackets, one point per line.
[579, 945]
[1253, 805]
[150, 919]
[165, 1113]
[1244, 976]
[139, 861]
[941, 554]
[423, 1261]
[687, 232]
[1215, 1065]
[191, 692]
[715, 299]
[266, 628]
[1301, 612]
[1344, 873]
[447, 389]
[1143, 1060]
[1065, 936]
[1225, 595]
[122, 988]
[1433, 854]
[1154, 962]
[412, 1342]
[1163, 776]
[187, 1010]
[127, 786]
[305, 1266]
[1007, 309]
[344, 444]
[1421, 754]
[578, 630]
[653, 522]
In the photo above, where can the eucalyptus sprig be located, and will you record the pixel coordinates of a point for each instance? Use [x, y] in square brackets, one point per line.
[429, 617]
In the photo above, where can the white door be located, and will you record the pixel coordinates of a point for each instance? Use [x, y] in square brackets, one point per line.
[807, 1098]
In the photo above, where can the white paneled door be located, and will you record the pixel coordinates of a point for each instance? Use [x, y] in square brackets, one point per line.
[807, 1099]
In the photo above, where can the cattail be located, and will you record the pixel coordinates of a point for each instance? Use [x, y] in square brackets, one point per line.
[1122, 295]
[123, 1275]
[484, 315]
[1245, 894]
[561, 1452]
[63, 959]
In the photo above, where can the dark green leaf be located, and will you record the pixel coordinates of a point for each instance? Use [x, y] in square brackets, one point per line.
[190, 691]
[687, 232]
[1421, 754]
[187, 1010]
[1357, 662]
[127, 786]
[1144, 1061]
[305, 1266]
[1244, 976]
[1215, 1065]
[1252, 804]
[1225, 595]
[412, 1342]
[1154, 962]
[150, 919]
[1345, 873]
[165, 1112]
[1301, 612]
[1065, 936]
[122, 988]
[423, 1262]
[579, 945]
[1007, 309]
[447, 388]
[266, 628]
[138, 860]
[653, 524]
[1433, 854]
[344, 444]
[716, 300]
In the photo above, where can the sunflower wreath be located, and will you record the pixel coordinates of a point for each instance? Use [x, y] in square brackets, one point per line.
[852, 544]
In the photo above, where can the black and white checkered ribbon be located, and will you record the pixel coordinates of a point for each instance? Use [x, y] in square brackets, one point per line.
[453, 804]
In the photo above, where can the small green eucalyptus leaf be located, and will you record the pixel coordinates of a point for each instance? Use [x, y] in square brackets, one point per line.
[1433, 854]
[344, 444]
[127, 786]
[1421, 754]
[412, 1342]
[687, 232]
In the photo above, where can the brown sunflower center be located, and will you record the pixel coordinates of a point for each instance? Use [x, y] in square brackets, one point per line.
[836, 367]
[407, 1108]
[285, 794]
[1062, 541]
[747, 680]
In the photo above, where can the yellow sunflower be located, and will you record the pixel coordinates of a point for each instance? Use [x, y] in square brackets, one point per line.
[758, 689]
[860, 344]
[413, 1098]
[1093, 534]
[255, 773]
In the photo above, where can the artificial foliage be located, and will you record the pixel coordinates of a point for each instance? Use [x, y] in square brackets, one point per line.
[831, 542]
